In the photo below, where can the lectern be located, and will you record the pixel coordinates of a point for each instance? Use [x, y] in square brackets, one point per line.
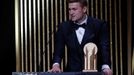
[62, 73]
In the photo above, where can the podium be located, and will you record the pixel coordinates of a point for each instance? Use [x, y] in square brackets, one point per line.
[62, 73]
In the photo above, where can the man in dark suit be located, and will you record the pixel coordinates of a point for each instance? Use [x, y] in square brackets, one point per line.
[75, 33]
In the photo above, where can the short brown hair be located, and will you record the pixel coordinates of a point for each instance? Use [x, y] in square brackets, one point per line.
[83, 2]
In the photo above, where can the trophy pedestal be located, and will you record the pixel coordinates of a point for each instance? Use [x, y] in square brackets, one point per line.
[89, 71]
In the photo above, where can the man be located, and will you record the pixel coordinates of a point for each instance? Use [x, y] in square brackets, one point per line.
[75, 37]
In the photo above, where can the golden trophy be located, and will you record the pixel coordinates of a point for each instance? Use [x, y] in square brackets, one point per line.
[90, 57]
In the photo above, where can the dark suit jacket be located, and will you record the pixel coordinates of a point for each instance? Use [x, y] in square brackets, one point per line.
[96, 31]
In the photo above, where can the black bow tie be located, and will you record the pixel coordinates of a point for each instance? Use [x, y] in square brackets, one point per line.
[76, 26]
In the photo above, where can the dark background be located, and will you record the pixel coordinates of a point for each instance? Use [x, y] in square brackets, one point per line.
[7, 40]
[133, 21]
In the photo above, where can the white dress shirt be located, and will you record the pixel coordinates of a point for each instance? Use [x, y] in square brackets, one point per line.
[81, 31]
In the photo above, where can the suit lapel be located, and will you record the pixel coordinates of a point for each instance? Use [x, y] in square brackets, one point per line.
[89, 31]
[72, 36]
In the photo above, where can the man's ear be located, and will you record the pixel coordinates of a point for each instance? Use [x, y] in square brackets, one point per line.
[84, 9]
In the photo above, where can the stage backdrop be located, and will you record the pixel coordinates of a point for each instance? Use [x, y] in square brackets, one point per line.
[37, 20]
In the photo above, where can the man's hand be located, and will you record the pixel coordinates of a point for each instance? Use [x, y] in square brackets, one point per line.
[55, 69]
[107, 71]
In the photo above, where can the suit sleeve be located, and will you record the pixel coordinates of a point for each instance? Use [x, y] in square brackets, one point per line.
[105, 44]
[59, 45]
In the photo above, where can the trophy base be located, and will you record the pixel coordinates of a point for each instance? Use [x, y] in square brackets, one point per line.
[89, 71]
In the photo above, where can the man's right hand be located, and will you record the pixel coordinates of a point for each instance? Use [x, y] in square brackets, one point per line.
[55, 69]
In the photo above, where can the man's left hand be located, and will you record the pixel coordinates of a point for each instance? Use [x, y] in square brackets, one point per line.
[107, 71]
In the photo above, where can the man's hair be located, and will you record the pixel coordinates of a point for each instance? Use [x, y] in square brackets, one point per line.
[82, 2]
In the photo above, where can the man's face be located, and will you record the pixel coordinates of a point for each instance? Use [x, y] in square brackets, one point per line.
[76, 11]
